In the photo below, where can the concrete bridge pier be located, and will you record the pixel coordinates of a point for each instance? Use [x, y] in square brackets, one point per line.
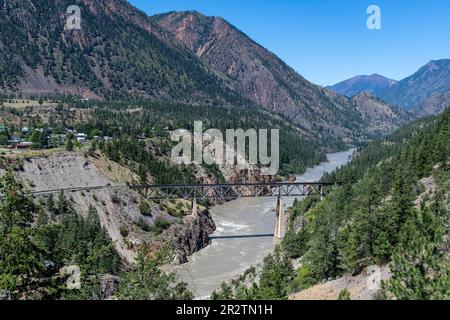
[279, 218]
[194, 207]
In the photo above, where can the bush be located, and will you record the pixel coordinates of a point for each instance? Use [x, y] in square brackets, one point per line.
[159, 226]
[115, 198]
[303, 280]
[124, 232]
[344, 295]
[145, 209]
[144, 225]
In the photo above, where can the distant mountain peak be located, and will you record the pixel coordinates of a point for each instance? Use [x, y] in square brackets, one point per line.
[431, 79]
[374, 83]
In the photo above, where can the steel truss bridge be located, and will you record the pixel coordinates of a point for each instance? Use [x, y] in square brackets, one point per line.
[211, 191]
[232, 191]
[218, 191]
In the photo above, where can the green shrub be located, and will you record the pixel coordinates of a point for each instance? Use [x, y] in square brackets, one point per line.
[344, 295]
[124, 231]
[303, 280]
[145, 209]
[144, 225]
[159, 226]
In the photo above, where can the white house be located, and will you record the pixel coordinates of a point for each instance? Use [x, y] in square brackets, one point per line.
[81, 137]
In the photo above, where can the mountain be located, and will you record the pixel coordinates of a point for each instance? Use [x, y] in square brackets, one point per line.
[186, 57]
[119, 51]
[426, 92]
[431, 79]
[374, 83]
[382, 117]
[433, 105]
[259, 74]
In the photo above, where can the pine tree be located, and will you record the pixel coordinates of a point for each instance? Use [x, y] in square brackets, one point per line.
[20, 262]
[420, 269]
[148, 282]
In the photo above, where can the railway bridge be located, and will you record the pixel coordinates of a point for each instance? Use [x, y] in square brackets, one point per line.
[237, 190]
[220, 192]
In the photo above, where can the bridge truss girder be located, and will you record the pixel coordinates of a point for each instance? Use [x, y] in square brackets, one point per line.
[232, 191]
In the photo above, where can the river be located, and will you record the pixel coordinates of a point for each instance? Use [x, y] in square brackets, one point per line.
[231, 251]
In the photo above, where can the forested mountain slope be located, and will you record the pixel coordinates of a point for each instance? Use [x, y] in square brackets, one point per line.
[432, 78]
[398, 210]
[298, 150]
[383, 117]
[44, 246]
[434, 104]
[259, 74]
[118, 51]
[393, 209]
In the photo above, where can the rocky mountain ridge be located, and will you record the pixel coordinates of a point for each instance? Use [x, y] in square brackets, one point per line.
[374, 83]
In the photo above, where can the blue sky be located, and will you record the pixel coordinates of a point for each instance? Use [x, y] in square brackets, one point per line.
[328, 41]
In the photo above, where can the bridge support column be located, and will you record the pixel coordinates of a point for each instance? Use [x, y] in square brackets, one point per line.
[279, 217]
[194, 207]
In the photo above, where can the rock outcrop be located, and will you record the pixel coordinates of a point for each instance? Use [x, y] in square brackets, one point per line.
[108, 286]
[192, 236]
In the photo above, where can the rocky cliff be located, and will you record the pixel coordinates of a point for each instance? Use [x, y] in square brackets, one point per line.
[117, 208]
[192, 235]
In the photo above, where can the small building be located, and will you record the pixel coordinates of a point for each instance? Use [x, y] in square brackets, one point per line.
[3, 128]
[22, 145]
[82, 137]
[25, 130]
